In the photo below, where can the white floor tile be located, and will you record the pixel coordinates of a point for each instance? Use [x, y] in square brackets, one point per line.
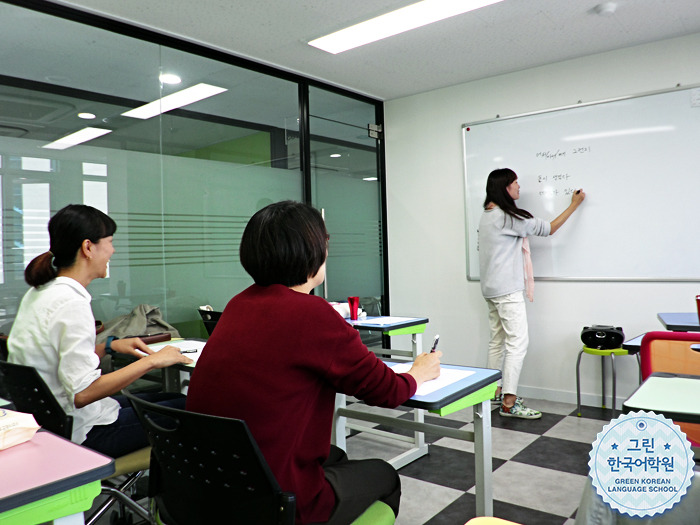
[579, 429]
[505, 443]
[537, 488]
[421, 500]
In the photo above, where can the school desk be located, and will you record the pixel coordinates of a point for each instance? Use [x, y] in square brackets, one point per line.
[634, 345]
[474, 390]
[392, 325]
[673, 395]
[680, 321]
[49, 478]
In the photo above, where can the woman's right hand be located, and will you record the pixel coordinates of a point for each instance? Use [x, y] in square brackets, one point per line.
[577, 197]
[426, 367]
[113, 382]
[167, 356]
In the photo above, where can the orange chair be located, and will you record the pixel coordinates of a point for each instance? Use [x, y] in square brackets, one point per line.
[671, 352]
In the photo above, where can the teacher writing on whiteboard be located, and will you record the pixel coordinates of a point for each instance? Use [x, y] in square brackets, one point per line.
[505, 272]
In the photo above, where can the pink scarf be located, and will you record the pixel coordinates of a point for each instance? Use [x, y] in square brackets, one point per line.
[527, 266]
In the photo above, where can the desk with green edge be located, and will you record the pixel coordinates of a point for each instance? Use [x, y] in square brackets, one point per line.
[390, 325]
[475, 390]
[49, 478]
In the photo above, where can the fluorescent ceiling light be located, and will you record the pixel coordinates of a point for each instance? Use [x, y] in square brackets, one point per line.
[370, 179]
[174, 101]
[76, 138]
[395, 22]
[86, 116]
[169, 78]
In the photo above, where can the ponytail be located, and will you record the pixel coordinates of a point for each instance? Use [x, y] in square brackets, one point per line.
[67, 231]
[40, 270]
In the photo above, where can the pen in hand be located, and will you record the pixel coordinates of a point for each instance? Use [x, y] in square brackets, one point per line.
[193, 351]
[435, 343]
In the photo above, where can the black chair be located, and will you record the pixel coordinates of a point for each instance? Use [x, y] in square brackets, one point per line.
[209, 318]
[208, 469]
[29, 393]
[3, 347]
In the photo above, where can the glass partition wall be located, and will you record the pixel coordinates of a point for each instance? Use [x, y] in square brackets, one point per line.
[180, 145]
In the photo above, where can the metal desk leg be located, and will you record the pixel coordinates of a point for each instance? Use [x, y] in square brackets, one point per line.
[483, 466]
[418, 415]
[338, 430]
[416, 344]
[171, 379]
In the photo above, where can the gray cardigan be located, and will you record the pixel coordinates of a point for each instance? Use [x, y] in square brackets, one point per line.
[501, 250]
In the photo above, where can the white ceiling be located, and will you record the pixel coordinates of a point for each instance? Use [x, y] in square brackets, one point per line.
[502, 38]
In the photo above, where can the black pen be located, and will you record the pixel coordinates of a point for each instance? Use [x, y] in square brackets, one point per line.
[194, 351]
[435, 342]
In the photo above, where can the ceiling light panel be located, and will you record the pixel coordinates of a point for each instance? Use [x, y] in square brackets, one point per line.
[395, 22]
[76, 138]
[176, 100]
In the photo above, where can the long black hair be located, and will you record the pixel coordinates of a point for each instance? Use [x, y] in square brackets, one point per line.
[67, 231]
[497, 192]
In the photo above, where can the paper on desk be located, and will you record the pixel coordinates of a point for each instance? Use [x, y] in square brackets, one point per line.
[16, 428]
[382, 321]
[184, 344]
[447, 377]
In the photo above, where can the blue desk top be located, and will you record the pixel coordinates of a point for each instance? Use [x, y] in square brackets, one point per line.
[680, 321]
[387, 323]
[479, 379]
[633, 345]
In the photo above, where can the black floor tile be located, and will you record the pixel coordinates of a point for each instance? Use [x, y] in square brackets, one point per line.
[446, 467]
[464, 508]
[602, 414]
[531, 426]
[556, 454]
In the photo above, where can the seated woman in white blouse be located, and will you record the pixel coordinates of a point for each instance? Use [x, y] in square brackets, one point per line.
[54, 332]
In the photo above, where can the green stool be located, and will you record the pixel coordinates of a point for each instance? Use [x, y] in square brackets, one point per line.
[378, 513]
[603, 354]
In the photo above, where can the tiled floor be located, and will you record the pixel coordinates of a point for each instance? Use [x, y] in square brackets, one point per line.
[539, 466]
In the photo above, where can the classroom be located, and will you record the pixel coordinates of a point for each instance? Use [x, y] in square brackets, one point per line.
[404, 228]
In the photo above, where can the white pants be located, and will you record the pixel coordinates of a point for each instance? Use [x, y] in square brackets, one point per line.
[509, 338]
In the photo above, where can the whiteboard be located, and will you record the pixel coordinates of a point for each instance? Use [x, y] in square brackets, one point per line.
[638, 161]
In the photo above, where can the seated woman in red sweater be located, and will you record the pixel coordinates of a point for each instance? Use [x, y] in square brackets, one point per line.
[277, 358]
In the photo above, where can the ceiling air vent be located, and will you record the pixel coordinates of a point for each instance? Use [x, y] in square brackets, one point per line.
[9, 131]
[32, 110]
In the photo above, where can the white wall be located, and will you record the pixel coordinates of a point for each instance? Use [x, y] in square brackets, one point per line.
[426, 219]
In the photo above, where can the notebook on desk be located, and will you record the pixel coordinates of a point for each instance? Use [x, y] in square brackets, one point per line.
[190, 347]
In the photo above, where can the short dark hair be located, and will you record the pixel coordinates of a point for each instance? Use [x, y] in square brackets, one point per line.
[67, 231]
[284, 243]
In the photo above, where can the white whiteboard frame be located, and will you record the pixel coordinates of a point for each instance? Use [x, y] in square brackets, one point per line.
[580, 104]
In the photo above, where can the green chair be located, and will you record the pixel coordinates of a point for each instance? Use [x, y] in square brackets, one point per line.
[379, 513]
[603, 354]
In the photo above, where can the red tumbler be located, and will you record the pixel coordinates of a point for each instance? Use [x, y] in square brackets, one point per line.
[354, 304]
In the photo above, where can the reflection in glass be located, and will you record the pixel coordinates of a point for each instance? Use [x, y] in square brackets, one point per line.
[343, 155]
[180, 185]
